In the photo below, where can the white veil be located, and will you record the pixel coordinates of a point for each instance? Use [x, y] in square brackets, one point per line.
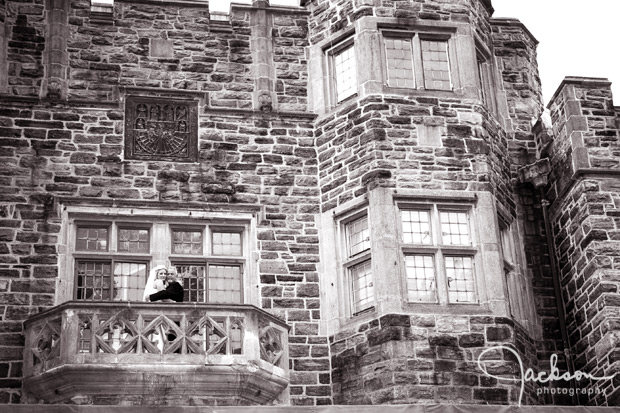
[150, 287]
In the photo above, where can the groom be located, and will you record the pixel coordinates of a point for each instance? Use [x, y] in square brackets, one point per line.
[173, 290]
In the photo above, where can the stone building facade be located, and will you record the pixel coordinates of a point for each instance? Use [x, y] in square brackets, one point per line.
[364, 200]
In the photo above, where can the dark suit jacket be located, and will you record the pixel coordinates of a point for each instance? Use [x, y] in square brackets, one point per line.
[173, 291]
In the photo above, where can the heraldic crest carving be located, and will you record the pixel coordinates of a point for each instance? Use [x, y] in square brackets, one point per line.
[160, 129]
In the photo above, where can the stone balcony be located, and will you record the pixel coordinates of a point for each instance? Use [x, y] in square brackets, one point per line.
[134, 353]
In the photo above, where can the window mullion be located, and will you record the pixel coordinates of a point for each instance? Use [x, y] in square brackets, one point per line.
[207, 246]
[207, 282]
[418, 68]
[440, 270]
[442, 281]
[113, 238]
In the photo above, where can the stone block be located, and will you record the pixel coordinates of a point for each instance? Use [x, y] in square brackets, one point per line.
[471, 340]
[308, 290]
[315, 364]
[443, 340]
[395, 320]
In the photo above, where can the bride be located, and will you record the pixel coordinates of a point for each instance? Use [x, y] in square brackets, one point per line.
[155, 282]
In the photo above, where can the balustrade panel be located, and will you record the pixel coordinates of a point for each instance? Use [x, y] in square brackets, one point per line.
[208, 351]
[146, 332]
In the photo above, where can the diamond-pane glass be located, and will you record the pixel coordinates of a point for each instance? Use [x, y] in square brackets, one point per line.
[346, 73]
[133, 240]
[362, 286]
[460, 278]
[224, 284]
[358, 236]
[399, 62]
[187, 242]
[226, 243]
[421, 284]
[91, 239]
[454, 228]
[94, 280]
[436, 66]
[129, 281]
[416, 227]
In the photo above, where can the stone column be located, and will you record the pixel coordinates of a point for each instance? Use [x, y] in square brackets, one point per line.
[261, 44]
[54, 85]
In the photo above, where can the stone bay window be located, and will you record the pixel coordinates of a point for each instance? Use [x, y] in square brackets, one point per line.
[103, 326]
[412, 252]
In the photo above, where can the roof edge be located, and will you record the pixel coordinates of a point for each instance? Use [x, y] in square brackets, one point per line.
[511, 21]
[595, 82]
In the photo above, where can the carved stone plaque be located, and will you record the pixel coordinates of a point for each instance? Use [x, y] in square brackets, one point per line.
[161, 129]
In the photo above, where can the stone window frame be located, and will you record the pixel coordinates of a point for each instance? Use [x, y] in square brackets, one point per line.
[417, 34]
[351, 261]
[331, 52]
[485, 77]
[390, 294]
[160, 224]
[438, 249]
[519, 290]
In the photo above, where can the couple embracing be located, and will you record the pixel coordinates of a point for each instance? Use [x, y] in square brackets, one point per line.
[163, 285]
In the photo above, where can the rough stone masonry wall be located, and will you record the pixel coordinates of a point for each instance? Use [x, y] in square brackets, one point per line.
[159, 46]
[75, 149]
[376, 138]
[429, 359]
[3, 45]
[586, 217]
[375, 141]
[25, 26]
[330, 16]
[514, 48]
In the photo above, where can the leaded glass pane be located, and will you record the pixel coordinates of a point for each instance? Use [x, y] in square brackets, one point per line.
[436, 66]
[194, 282]
[91, 239]
[227, 243]
[416, 227]
[133, 240]
[460, 278]
[187, 242]
[399, 62]
[421, 284]
[224, 284]
[454, 228]
[358, 236]
[93, 281]
[346, 73]
[129, 281]
[362, 286]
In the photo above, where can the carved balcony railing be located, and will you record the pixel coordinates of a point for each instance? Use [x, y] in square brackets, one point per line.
[152, 353]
